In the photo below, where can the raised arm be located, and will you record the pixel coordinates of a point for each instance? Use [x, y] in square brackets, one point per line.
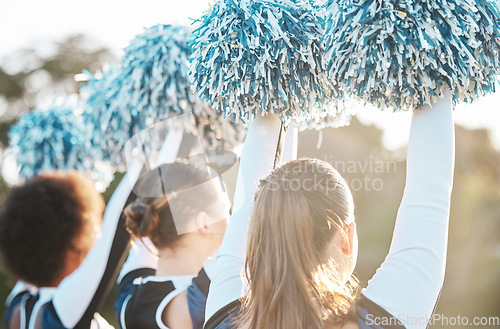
[256, 163]
[77, 291]
[408, 282]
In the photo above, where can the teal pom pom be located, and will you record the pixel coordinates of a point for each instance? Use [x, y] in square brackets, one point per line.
[148, 85]
[261, 56]
[402, 54]
[55, 138]
[111, 122]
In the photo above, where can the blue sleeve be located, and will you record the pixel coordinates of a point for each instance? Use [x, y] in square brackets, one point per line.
[50, 318]
[197, 299]
[196, 303]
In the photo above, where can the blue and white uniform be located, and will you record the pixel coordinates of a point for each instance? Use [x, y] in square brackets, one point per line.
[143, 297]
[74, 302]
[407, 284]
[36, 309]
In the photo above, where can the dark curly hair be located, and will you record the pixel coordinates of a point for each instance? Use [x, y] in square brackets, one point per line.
[42, 220]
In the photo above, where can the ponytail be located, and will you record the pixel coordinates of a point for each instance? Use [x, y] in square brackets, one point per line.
[145, 221]
[298, 210]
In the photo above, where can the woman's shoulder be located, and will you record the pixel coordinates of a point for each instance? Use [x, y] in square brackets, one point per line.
[176, 314]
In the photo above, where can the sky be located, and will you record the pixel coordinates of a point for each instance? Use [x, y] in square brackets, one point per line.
[26, 23]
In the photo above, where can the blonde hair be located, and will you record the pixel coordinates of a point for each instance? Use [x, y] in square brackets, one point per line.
[298, 209]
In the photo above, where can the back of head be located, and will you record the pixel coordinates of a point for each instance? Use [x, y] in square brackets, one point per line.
[43, 220]
[153, 217]
[298, 209]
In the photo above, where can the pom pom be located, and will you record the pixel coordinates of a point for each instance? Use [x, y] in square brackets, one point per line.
[150, 84]
[110, 124]
[55, 138]
[155, 72]
[402, 54]
[258, 56]
[488, 54]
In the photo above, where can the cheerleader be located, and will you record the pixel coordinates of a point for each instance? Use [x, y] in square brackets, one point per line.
[48, 227]
[299, 249]
[175, 235]
[165, 281]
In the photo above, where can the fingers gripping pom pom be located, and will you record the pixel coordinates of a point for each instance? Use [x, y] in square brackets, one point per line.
[55, 138]
[148, 85]
[260, 56]
[402, 54]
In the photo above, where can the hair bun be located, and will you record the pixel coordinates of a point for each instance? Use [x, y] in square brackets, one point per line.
[139, 219]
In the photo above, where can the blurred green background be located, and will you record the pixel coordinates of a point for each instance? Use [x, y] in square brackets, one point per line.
[375, 175]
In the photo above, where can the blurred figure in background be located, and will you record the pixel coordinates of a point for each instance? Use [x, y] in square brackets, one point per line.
[48, 232]
[164, 284]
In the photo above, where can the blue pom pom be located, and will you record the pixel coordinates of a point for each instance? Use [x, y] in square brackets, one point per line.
[155, 72]
[55, 138]
[148, 85]
[258, 56]
[488, 54]
[401, 54]
[110, 124]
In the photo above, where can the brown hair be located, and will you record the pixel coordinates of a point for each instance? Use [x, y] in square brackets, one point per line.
[43, 219]
[153, 218]
[298, 209]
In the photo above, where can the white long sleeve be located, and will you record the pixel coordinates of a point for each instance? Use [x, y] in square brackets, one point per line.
[257, 162]
[76, 291]
[142, 254]
[408, 282]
